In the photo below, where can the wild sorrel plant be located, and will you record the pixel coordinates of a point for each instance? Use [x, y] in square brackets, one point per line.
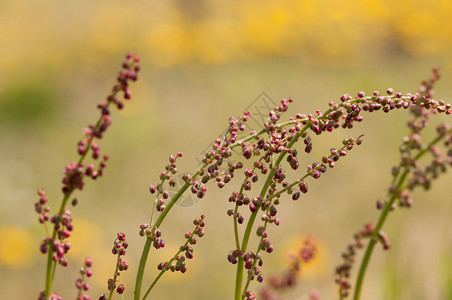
[407, 175]
[266, 157]
[55, 244]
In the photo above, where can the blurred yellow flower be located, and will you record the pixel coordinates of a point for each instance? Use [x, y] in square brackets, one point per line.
[18, 246]
[87, 235]
[174, 32]
[310, 267]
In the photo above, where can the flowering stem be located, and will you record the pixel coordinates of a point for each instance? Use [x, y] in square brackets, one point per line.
[236, 225]
[158, 222]
[385, 211]
[50, 270]
[162, 272]
[240, 264]
[115, 275]
[243, 247]
[249, 278]
[147, 245]
[51, 264]
[371, 245]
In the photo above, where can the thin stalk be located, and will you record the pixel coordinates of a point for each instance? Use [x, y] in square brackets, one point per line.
[51, 264]
[246, 236]
[370, 247]
[81, 289]
[239, 279]
[162, 272]
[49, 273]
[153, 207]
[236, 230]
[158, 222]
[147, 245]
[115, 276]
[154, 283]
[248, 280]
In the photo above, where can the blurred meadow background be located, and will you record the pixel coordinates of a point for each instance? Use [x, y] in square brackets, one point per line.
[202, 62]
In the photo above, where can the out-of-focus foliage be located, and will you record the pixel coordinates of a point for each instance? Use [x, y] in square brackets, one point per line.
[27, 101]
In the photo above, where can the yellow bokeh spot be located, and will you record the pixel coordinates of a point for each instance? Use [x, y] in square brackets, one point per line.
[86, 236]
[317, 265]
[18, 246]
[87, 240]
[227, 31]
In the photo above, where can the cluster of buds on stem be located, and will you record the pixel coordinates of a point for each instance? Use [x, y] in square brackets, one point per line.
[41, 208]
[120, 245]
[268, 153]
[81, 284]
[55, 243]
[168, 175]
[342, 273]
[154, 234]
[216, 158]
[281, 140]
[59, 245]
[411, 150]
[76, 171]
[62, 225]
[423, 174]
[177, 262]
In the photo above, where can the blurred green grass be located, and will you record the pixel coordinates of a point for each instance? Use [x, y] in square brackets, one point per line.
[48, 92]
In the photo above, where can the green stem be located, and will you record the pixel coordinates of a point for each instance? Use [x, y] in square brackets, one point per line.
[51, 264]
[141, 267]
[370, 248]
[49, 272]
[147, 245]
[246, 235]
[239, 279]
[248, 280]
[236, 227]
[236, 230]
[162, 272]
